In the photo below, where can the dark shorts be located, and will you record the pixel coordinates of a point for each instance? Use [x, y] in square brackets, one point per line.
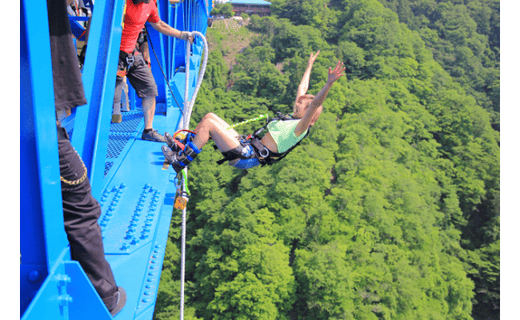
[141, 79]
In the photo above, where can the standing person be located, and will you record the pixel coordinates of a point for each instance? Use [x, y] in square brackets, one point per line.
[141, 47]
[80, 210]
[283, 135]
[132, 64]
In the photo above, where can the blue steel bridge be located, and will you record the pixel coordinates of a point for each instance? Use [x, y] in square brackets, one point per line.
[127, 174]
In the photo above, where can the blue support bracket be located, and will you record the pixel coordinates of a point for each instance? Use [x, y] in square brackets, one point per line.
[85, 303]
[67, 293]
[52, 300]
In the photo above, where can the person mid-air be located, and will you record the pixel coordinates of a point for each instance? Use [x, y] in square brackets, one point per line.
[282, 135]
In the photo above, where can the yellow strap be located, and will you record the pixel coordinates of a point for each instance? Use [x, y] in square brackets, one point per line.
[124, 13]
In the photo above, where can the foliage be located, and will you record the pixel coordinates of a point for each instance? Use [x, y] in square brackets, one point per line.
[225, 9]
[464, 37]
[388, 210]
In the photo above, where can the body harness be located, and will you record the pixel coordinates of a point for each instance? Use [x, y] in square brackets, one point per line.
[127, 60]
[264, 155]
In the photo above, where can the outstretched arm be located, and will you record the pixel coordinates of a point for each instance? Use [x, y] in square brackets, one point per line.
[304, 84]
[165, 29]
[334, 75]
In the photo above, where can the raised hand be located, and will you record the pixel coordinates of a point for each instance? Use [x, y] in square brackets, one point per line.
[336, 73]
[312, 58]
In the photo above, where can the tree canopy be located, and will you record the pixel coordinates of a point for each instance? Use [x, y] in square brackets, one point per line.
[225, 9]
[390, 209]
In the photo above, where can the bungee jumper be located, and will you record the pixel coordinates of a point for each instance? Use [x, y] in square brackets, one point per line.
[284, 132]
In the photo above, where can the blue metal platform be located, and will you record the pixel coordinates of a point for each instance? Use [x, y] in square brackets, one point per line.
[128, 175]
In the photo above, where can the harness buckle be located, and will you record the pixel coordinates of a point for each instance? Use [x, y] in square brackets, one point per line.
[263, 153]
[130, 60]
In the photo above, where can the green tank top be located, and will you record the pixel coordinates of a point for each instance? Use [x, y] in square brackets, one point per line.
[283, 133]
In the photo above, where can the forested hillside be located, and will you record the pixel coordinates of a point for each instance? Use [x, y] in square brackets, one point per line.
[464, 37]
[388, 210]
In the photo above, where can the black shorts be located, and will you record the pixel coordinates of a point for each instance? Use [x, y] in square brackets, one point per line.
[141, 79]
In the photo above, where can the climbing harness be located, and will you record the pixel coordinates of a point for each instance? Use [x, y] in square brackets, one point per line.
[265, 156]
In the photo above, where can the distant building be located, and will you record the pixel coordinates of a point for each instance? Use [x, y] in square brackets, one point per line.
[259, 7]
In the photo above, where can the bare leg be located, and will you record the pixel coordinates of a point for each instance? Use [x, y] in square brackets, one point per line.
[148, 111]
[216, 128]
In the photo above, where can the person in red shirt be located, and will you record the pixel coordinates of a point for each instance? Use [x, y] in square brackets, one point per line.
[132, 64]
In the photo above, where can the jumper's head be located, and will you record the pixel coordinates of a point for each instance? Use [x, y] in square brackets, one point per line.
[301, 106]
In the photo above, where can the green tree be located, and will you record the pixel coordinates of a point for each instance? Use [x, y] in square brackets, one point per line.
[388, 210]
[227, 10]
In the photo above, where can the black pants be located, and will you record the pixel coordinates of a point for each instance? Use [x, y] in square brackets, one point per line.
[80, 213]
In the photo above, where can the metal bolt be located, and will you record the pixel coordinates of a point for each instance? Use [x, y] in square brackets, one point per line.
[33, 276]
[63, 279]
[64, 299]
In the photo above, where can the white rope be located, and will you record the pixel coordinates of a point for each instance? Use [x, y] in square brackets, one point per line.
[185, 123]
